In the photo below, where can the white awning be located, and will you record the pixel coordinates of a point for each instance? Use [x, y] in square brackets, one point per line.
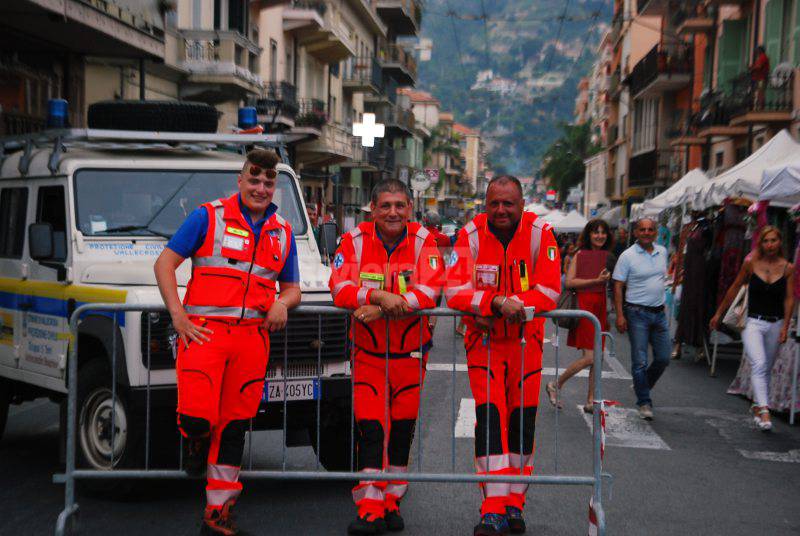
[680, 192]
[538, 209]
[782, 183]
[574, 222]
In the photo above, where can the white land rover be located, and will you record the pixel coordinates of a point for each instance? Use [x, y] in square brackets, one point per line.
[107, 201]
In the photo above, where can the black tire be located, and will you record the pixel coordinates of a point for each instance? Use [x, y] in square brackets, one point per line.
[5, 402]
[93, 441]
[335, 441]
[164, 116]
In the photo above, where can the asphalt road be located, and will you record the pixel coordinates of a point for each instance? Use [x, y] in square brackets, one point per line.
[698, 468]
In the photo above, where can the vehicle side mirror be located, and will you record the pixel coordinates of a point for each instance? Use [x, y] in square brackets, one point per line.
[40, 241]
[328, 236]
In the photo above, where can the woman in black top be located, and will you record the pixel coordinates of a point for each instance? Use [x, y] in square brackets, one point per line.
[770, 279]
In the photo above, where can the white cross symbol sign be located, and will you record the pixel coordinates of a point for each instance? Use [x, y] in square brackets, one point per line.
[368, 130]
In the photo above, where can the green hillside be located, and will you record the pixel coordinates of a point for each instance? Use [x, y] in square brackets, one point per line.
[529, 51]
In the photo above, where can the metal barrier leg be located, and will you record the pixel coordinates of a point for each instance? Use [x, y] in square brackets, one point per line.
[793, 410]
[558, 396]
[597, 491]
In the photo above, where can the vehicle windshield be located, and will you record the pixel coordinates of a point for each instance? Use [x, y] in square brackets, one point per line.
[112, 202]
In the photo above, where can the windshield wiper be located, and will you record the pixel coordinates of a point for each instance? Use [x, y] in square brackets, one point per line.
[128, 228]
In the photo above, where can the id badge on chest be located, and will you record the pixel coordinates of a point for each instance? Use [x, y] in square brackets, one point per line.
[487, 276]
[370, 280]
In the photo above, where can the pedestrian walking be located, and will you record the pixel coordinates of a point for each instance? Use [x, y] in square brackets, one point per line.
[770, 287]
[639, 276]
[503, 261]
[621, 243]
[244, 281]
[384, 270]
[433, 223]
[588, 276]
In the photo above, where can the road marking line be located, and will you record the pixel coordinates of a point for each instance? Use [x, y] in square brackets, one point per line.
[793, 456]
[621, 371]
[465, 424]
[624, 428]
[546, 371]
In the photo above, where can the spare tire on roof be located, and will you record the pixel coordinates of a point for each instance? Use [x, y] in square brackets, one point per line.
[164, 116]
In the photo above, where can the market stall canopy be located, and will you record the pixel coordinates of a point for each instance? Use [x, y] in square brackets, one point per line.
[782, 183]
[554, 216]
[675, 195]
[574, 222]
[613, 216]
[536, 208]
[744, 179]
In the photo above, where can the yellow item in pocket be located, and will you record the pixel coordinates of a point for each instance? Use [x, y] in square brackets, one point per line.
[523, 277]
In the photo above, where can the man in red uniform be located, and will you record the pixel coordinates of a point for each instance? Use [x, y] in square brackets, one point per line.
[242, 254]
[384, 270]
[433, 223]
[503, 261]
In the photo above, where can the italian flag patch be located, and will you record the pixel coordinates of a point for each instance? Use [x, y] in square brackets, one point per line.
[433, 261]
[551, 253]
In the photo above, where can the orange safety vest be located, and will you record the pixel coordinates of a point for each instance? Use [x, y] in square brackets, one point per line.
[233, 277]
[528, 270]
[414, 270]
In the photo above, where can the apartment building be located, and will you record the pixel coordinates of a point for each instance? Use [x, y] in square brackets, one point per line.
[681, 92]
[43, 55]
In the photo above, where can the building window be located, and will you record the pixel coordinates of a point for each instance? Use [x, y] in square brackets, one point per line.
[197, 14]
[13, 209]
[718, 159]
[273, 60]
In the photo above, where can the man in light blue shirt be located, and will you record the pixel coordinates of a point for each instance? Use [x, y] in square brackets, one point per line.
[640, 273]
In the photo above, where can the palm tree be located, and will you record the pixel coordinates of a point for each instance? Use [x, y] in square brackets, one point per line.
[563, 160]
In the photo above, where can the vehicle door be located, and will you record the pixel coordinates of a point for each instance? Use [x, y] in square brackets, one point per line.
[45, 316]
[14, 201]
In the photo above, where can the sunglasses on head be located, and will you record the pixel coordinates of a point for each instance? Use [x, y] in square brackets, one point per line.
[269, 173]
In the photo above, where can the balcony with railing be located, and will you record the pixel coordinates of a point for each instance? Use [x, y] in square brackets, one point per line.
[319, 28]
[220, 61]
[399, 64]
[714, 117]
[333, 146]
[402, 17]
[657, 168]
[398, 121]
[278, 107]
[311, 114]
[752, 102]
[387, 95]
[692, 16]
[661, 71]
[362, 74]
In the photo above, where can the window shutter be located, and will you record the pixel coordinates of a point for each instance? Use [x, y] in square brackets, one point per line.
[796, 33]
[732, 45]
[773, 28]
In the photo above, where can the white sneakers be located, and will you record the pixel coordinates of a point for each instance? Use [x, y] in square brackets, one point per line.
[646, 412]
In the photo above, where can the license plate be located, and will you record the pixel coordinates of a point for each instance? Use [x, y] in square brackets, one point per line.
[277, 390]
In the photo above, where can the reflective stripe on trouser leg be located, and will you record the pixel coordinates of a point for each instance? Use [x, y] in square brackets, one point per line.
[223, 484]
[495, 494]
[516, 496]
[368, 495]
[395, 489]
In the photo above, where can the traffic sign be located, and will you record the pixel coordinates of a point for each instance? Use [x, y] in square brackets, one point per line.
[420, 182]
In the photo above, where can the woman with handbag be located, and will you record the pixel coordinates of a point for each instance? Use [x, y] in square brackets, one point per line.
[587, 276]
[764, 312]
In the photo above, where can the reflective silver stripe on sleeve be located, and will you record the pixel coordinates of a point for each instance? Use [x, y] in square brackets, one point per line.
[547, 291]
[339, 286]
[421, 236]
[362, 295]
[236, 312]
[536, 241]
[428, 291]
[476, 301]
[412, 300]
[449, 292]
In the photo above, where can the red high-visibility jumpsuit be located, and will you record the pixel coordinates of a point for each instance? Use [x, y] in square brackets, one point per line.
[414, 270]
[220, 382]
[528, 270]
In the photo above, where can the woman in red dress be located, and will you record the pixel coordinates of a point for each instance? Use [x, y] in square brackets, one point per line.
[588, 275]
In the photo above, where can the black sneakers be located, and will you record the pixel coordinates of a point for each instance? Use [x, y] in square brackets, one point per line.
[492, 525]
[369, 524]
[394, 521]
[516, 523]
[195, 456]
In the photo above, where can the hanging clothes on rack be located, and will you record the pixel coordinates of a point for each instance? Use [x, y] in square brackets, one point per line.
[734, 246]
[691, 326]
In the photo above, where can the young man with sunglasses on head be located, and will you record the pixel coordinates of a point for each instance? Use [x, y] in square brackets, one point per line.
[245, 278]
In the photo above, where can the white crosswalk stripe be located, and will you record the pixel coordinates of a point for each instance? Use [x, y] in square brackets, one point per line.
[465, 423]
[546, 371]
[624, 428]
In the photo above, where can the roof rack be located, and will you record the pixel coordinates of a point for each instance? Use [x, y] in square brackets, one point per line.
[60, 139]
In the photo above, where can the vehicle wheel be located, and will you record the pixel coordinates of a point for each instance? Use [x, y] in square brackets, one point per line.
[335, 440]
[165, 116]
[95, 449]
[5, 402]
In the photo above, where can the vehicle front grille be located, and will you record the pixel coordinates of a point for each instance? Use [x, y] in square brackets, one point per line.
[303, 338]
